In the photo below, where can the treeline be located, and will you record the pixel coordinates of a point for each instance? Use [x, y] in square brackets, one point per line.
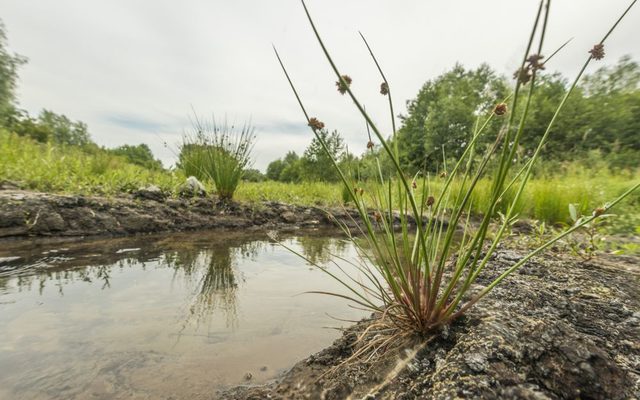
[50, 127]
[601, 120]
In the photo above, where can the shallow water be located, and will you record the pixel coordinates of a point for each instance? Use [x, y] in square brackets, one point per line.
[161, 317]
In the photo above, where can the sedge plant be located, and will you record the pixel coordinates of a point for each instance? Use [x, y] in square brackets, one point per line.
[419, 253]
[217, 152]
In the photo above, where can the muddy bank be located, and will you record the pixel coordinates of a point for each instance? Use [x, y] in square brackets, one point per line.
[556, 329]
[24, 214]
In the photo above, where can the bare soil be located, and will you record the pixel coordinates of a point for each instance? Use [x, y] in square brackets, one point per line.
[28, 214]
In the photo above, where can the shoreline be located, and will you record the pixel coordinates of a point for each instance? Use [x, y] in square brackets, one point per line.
[25, 214]
[559, 328]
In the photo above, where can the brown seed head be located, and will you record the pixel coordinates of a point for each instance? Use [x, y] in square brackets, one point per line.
[430, 201]
[534, 62]
[414, 184]
[523, 75]
[501, 109]
[598, 211]
[343, 84]
[315, 124]
[443, 174]
[384, 89]
[370, 145]
[377, 216]
[597, 52]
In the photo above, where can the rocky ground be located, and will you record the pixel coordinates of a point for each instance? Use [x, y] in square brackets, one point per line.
[24, 214]
[556, 329]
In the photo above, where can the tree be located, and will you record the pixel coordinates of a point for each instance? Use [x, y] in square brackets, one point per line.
[292, 168]
[285, 170]
[442, 116]
[624, 77]
[63, 130]
[139, 155]
[9, 64]
[253, 175]
[274, 169]
[316, 163]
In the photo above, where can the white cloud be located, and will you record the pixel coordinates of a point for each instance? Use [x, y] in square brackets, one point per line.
[133, 69]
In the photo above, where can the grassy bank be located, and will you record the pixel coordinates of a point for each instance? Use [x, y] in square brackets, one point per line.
[50, 168]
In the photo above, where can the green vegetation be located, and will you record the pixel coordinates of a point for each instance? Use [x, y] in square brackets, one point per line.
[402, 276]
[218, 153]
[48, 167]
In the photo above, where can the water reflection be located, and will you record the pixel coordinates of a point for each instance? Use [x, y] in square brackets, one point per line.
[165, 316]
[207, 266]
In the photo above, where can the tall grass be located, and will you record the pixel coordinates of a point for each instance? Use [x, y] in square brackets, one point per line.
[219, 153]
[49, 167]
[420, 278]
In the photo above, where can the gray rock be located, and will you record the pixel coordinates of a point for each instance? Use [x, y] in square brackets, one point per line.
[9, 185]
[151, 192]
[289, 217]
[192, 187]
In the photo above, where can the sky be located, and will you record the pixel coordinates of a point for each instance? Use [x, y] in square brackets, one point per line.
[136, 71]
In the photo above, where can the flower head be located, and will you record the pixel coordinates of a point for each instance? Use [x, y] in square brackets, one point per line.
[315, 124]
[370, 145]
[534, 62]
[384, 89]
[343, 84]
[597, 52]
[523, 75]
[430, 201]
[500, 109]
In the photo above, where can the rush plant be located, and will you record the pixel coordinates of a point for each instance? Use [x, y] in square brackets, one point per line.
[420, 255]
[219, 153]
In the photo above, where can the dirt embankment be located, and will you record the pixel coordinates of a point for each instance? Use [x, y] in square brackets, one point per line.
[556, 329]
[24, 213]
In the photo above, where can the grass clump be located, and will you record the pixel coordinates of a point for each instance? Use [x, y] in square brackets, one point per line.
[217, 153]
[418, 277]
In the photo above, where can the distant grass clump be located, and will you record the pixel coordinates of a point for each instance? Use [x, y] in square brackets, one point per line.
[218, 153]
[48, 167]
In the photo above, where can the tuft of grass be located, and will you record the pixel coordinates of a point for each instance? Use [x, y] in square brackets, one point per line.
[219, 153]
[419, 278]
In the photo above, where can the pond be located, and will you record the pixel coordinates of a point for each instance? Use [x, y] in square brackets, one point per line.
[176, 316]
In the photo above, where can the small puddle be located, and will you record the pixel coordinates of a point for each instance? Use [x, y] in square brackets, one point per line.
[162, 317]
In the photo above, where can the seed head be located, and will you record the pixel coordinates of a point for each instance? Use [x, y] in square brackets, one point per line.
[501, 109]
[597, 52]
[523, 75]
[361, 190]
[534, 62]
[315, 124]
[443, 174]
[384, 89]
[370, 145]
[377, 216]
[598, 211]
[343, 84]
[430, 201]
[414, 184]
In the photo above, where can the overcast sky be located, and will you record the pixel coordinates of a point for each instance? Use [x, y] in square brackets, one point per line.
[133, 69]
